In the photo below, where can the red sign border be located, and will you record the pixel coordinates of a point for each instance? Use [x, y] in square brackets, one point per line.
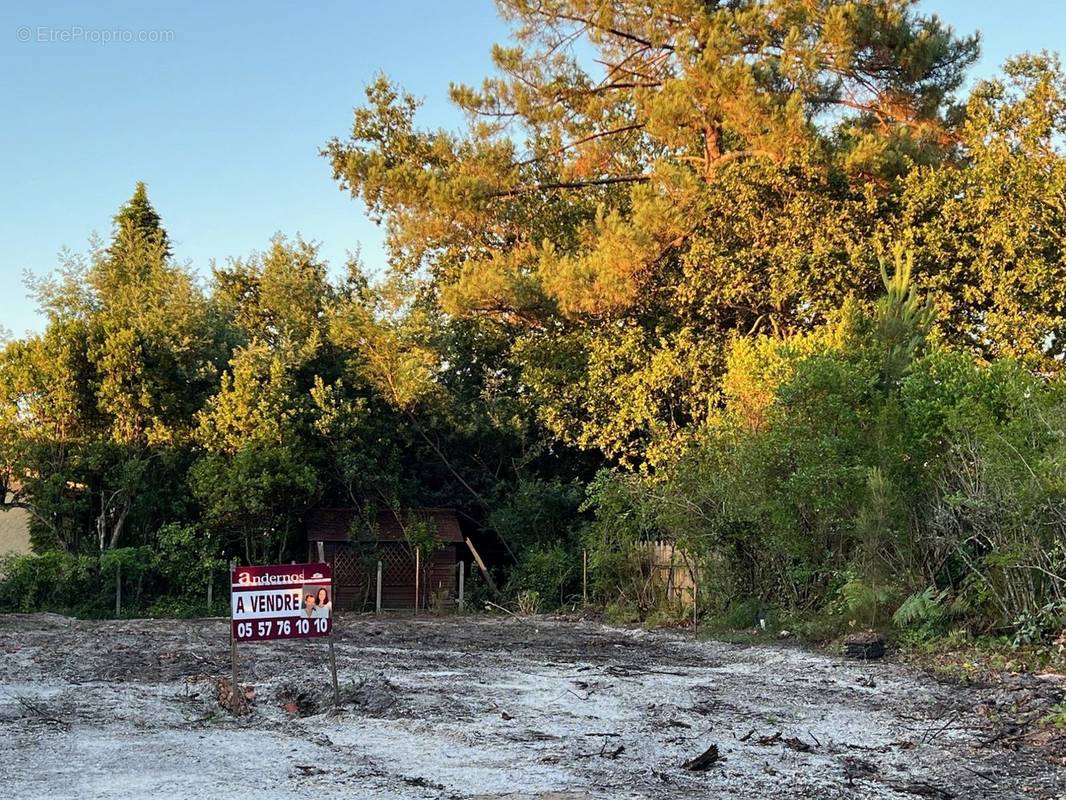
[276, 624]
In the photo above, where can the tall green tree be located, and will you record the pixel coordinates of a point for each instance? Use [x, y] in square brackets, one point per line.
[637, 185]
[256, 477]
[133, 344]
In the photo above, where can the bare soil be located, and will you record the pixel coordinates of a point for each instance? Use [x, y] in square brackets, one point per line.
[491, 707]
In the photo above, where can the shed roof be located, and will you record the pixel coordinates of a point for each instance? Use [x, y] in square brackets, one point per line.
[335, 524]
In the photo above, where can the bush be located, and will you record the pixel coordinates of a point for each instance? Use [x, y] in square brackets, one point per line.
[741, 615]
[1040, 626]
[81, 585]
[547, 571]
[616, 542]
[189, 560]
[842, 475]
[52, 581]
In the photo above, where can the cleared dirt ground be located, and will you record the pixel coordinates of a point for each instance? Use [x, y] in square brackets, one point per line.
[482, 707]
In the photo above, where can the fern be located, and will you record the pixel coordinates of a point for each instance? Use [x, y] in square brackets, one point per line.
[862, 600]
[924, 608]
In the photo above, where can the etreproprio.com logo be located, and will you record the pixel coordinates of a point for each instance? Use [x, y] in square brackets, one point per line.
[78, 33]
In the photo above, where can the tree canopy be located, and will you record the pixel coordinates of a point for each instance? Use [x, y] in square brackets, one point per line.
[634, 190]
[761, 277]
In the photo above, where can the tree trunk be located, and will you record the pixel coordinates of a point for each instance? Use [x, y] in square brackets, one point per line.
[119, 526]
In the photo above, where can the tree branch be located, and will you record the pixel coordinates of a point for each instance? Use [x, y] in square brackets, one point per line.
[588, 23]
[591, 137]
[553, 185]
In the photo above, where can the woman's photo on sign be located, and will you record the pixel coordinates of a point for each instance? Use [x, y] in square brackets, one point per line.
[323, 605]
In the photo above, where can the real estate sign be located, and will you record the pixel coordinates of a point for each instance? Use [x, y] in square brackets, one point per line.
[281, 601]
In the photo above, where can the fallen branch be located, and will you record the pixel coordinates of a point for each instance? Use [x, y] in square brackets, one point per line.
[39, 712]
[604, 752]
[490, 604]
[928, 736]
[704, 761]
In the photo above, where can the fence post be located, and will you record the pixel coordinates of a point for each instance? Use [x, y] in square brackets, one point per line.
[210, 591]
[462, 575]
[118, 589]
[378, 606]
[418, 578]
[585, 577]
[670, 579]
[695, 611]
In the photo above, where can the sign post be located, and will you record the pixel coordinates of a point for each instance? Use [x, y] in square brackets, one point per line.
[332, 654]
[232, 638]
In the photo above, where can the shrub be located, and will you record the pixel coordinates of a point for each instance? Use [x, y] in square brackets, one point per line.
[741, 614]
[52, 581]
[189, 559]
[1040, 626]
[528, 603]
[548, 571]
[841, 474]
[82, 585]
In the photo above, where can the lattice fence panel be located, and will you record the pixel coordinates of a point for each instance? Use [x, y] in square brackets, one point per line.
[347, 569]
[397, 565]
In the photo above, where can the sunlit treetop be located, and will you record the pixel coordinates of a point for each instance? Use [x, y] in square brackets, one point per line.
[589, 161]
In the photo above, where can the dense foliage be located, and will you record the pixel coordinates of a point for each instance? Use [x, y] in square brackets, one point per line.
[751, 277]
[855, 470]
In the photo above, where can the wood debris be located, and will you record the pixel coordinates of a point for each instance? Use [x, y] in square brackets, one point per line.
[704, 761]
[236, 702]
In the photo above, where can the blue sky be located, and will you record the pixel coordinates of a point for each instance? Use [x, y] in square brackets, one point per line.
[224, 118]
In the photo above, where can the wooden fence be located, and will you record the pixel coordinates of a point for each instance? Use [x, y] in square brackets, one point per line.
[672, 572]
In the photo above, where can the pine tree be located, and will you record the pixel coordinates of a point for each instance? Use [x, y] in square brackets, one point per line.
[903, 318]
[137, 223]
[640, 183]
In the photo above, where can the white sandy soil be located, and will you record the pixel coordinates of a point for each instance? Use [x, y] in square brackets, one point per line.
[480, 707]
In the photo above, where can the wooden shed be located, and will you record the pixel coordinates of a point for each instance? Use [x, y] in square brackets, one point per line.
[355, 560]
